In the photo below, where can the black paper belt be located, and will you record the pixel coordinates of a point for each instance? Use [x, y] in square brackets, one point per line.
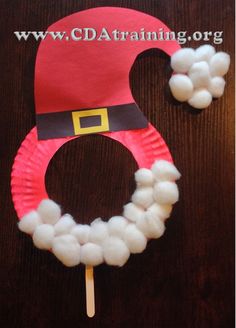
[87, 121]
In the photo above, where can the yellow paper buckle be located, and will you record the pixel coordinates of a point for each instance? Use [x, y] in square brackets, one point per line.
[102, 112]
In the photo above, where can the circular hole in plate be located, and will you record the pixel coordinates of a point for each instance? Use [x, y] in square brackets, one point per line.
[91, 176]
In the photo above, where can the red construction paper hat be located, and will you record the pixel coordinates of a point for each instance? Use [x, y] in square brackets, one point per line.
[83, 86]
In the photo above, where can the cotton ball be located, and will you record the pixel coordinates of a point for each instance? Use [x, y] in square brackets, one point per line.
[64, 225]
[66, 249]
[91, 254]
[144, 177]
[164, 170]
[29, 222]
[81, 233]
[217, 86]
[160, 211]
[143, 196]
[115, 251]
[43, 236]
[201, 99]
[219, 64]
[204, 53]
[135, 239]
[166, 192]
[98, 232]
[199, 74]
[182, 60]
[151, 226]
[49, 211]
[117, 225]
[132, 212]
[181, 87]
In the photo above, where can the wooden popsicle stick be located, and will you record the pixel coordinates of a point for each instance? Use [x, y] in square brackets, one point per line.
[89, 283]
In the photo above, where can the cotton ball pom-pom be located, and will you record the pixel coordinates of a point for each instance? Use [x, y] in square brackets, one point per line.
[217, 86]
[91, 254]
[164, 170]
[29, 222]
[43, 236]
[98, 232]
[181, 87]
[66, 249]
[199, 74]
[151, 226]
[219, 64]
[81, 233]
[204, 53]
[115, 251]
[49, 211]
[117, 225]
[166, 192]
[132, 212]
[135, 239]
[182, 60]
[201, 99]
[64, 225]
[160, 211]
[143, 196]
[144, 177]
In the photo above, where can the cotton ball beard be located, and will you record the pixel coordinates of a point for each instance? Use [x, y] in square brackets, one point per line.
[165, 171]
[151, 226]
[134, 239]
[132, 212]
[115, 251]
[166, 192]
[98, 232]
[81, 233]
[219, 64]
[43, 236]
[49, 211]
[29, 222]
[91, 254]
[117, 225]
[66, 249]
[204, 53]
[64, 225]
[143, 197]
[144, 177]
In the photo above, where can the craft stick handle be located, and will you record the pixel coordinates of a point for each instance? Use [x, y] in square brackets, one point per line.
[89, 283]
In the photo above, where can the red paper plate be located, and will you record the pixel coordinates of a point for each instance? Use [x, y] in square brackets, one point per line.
[33, 157]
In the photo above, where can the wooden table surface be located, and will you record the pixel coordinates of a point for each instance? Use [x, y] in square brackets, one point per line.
[186, 278]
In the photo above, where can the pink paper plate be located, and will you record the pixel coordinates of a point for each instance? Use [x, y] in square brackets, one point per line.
[33, 157]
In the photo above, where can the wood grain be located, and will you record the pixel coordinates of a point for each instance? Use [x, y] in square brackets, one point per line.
[185, 279]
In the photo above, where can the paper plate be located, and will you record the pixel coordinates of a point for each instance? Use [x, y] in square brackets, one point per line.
[33, 157]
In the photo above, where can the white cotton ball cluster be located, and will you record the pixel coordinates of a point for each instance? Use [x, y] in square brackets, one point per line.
[98, 231]
[143, 197]
[81, 233]
[134, 239]
[144, 177]
[91, 254]
[151, 226]
[165, 171]
[49, 211]
[132, 212]
[117, 225]
[166, 192]
[66, 249]
[43, 236]
[160, 211]
[64, 225]
[29, 222]
[115, 251]
[198, 75]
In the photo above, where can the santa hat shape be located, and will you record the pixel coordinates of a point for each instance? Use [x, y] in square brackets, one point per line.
[74, 76]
